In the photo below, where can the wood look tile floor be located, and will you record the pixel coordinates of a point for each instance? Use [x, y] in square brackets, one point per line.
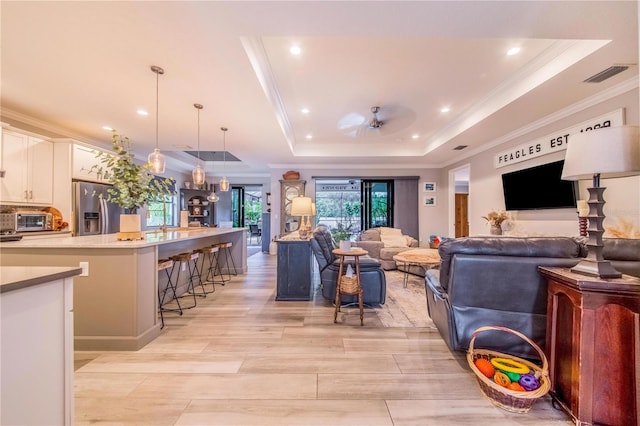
[241, 358]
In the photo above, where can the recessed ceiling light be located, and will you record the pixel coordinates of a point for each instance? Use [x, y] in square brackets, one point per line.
[295, 50]
[513, 51]
[107, 128]
[142, 112]
[305, 110]
[445, 109]
[309, 136]
[416, 136]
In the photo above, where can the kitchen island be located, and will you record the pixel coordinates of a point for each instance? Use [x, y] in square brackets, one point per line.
[116, 305]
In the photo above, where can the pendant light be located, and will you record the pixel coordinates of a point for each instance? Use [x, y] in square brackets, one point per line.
[156, 160]
[224, 182]
[198, 172]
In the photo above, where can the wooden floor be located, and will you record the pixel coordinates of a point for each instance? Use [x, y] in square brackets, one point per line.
[241, 358]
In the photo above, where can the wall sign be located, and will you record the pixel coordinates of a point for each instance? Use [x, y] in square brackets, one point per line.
[557, 141]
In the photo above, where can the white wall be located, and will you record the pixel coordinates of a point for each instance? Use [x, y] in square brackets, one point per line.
[485, 187]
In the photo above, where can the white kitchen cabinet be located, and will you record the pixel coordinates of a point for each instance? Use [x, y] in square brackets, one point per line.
[28, 165]
[36, 345]
[84, 158]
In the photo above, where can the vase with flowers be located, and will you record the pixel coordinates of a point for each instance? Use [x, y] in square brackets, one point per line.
[134, 185]
[495, 219]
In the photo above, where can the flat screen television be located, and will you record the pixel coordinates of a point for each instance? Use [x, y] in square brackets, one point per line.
[538, 187]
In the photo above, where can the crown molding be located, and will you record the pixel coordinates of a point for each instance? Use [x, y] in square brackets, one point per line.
[581, 105]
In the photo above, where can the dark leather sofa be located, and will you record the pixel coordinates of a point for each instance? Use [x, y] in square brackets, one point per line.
[372, 276]
[495, 281]
[624, 255]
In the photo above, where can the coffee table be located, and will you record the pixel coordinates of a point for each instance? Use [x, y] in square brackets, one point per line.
[425, 258]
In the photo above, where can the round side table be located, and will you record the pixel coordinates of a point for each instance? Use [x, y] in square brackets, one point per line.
[349, 285]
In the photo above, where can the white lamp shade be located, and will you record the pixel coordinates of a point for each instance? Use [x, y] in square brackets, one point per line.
[156, 161]
[198, 175]
[301, 206]
[313, 209]
[612, 152]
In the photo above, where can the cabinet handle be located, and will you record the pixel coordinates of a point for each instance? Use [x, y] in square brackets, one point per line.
[31, 195]
[26, 194]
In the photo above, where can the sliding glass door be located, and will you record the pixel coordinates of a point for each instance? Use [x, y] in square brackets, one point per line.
[377, 203]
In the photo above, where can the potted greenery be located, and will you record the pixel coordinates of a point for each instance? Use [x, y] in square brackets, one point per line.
[133, 185]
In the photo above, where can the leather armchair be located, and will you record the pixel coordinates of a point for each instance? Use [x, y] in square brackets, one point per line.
[372, 278]
[495, 281]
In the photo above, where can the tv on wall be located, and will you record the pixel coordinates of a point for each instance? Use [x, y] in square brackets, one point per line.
[538, 187]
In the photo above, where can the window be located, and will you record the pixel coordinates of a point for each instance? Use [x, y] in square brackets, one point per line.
[156, 211]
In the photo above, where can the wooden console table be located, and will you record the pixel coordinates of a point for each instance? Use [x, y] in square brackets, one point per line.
[593, 346]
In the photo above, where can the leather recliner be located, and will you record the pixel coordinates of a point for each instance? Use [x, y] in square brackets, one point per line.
[495, 281]
[372, 278]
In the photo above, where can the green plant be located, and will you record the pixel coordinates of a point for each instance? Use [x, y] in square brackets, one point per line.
[133, 184]
[342, 232]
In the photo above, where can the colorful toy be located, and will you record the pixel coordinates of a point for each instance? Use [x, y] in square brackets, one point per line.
[529, 382]
[509, 365]
[485, 367]
[516, 387]
[514, 377]
[501, 379]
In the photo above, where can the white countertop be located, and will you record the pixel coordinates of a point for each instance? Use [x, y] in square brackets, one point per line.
[152, 238]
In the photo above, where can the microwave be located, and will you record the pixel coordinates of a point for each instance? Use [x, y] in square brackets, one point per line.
[26, 221]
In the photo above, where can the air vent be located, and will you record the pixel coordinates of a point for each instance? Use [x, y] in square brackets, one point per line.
[608, 73]
[460, 147]
[213, 155]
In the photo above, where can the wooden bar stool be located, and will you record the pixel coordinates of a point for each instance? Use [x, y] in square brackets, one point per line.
[167, 265]
[208, 253]
[226, 249]
[191, 261]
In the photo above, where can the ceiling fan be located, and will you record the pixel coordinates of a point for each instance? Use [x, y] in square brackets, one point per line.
[385, 121]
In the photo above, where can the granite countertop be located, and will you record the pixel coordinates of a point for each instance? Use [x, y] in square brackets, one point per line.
[152, 238]
[17, 277]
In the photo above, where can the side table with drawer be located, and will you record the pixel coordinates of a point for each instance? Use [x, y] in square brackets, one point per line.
[593, 346]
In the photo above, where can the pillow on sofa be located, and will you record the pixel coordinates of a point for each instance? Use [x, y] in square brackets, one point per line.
[392, 237]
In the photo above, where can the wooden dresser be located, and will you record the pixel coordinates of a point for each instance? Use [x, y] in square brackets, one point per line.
[593, 346]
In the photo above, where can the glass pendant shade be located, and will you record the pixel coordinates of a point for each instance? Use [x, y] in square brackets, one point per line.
[198, 175]
[224, 184]
[213, 197]
[198, 172]
[156, 161]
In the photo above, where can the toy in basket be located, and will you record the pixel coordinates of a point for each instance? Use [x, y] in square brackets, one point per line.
[509, 382]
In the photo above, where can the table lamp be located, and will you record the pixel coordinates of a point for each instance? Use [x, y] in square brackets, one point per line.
[302, 206]
[610, 152]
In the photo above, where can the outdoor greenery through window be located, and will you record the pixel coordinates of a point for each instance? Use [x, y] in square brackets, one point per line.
[349, 206]
[156, 211]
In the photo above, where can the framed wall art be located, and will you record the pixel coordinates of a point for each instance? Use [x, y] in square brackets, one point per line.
[429, 186]
[429, 201]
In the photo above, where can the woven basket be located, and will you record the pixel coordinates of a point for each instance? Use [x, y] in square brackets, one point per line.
[349, 285]
[507, 399]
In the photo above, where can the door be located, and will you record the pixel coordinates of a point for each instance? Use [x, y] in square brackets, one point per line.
[237, 206]
[93, 214]
[462, 215]
[377, 203]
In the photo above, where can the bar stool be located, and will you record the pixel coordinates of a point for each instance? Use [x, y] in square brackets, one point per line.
[208, 253]
[225, 248]
[167, 265]
[191, 260]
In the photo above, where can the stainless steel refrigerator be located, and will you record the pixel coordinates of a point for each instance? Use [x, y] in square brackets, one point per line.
[93, 214]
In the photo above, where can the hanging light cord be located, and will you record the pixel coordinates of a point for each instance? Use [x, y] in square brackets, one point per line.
[158, 70]
[198, 107]
[224, 149]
